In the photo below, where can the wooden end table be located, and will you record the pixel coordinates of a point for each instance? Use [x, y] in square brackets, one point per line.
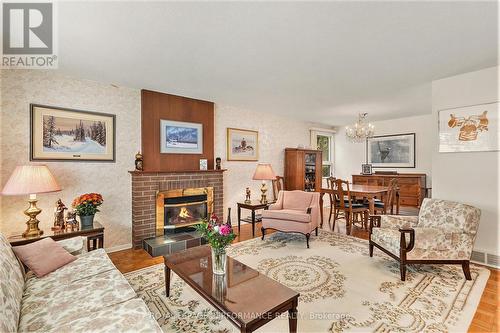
[94, 234]
[253, 206]
[247, 298]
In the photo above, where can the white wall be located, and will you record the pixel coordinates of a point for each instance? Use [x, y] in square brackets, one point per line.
[275, 134]
[469, 177]
[349, 156]
[20, 88]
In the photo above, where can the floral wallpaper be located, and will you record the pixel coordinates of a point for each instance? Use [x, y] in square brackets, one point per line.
[22, 87]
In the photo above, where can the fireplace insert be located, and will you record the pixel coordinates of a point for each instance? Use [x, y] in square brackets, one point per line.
[181, 209]
[185, 211]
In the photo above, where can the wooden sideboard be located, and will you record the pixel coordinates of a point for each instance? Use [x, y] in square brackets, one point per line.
[411, 185]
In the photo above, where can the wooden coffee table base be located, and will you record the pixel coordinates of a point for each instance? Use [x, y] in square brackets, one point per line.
[256, 299]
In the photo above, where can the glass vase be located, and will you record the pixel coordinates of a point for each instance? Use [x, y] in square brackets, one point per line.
[219, 261]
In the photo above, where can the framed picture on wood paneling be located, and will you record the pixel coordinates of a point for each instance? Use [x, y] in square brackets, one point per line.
[242, 145]
[391, 151]
[469, 128]
[180, 137]
[61, 134]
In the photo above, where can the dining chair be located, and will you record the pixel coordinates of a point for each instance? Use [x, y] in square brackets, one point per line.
[351, 209]
[387, 202]
[330, 182]
[278, 185]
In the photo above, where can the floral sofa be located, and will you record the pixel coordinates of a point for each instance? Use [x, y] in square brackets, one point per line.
[443, 233]
[87, 295]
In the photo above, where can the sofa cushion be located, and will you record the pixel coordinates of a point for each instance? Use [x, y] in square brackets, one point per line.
[86, 265]
[11, 287]
[130, 316]
[287, 214]
[299, 200]
[43, 256]
[47, 309]
[74, 245]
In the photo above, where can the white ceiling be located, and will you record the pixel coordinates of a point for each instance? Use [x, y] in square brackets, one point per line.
[322, 62]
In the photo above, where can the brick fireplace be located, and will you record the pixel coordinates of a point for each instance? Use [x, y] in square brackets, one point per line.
[146, 185]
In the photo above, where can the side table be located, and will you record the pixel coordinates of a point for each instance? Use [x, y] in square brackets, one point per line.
[94, 234]
[253, 206]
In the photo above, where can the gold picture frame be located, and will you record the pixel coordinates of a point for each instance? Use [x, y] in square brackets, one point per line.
[242, 145]
[62, 134]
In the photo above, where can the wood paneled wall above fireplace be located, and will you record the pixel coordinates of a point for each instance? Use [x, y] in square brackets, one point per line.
[156, 106]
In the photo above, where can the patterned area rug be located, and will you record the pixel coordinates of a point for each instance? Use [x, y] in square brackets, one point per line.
[342, 289]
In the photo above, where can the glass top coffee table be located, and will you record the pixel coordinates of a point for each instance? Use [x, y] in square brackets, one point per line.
[247, 298]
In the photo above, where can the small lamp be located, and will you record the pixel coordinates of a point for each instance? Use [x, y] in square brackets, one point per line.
[264, 171]
[31, 179]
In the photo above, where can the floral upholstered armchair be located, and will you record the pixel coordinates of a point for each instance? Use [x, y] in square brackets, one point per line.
[294, 211]
[443, 233]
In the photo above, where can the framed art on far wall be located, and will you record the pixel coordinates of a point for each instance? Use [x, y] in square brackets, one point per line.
[242, 145]
[469, 128]
[179, 137]
[61, 134]
[391, 151]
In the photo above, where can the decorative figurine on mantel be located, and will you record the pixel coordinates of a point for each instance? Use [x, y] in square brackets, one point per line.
[139, 162]
[59, 215]
[247, 196]
[217, 163]
[71, 221]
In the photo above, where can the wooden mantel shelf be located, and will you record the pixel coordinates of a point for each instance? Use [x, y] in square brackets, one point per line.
[135, 172]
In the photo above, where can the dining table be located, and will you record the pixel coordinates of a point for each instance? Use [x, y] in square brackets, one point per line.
[369, 192]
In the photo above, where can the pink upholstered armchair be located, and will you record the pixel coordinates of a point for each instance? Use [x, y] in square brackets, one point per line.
[294, 211]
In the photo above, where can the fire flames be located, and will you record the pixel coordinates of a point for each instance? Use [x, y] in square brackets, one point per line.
[184, 213]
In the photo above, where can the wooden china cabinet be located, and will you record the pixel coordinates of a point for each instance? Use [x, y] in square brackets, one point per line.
[303, 169]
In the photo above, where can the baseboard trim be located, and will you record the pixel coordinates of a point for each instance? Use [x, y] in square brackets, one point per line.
[118, 248]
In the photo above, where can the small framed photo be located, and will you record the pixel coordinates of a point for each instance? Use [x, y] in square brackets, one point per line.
[61, 134]
[178, 137]
[366, 169]
[203, 164]
[242, 145]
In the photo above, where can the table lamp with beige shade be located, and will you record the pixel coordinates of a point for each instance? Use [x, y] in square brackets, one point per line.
[264, 171]
[31, 179]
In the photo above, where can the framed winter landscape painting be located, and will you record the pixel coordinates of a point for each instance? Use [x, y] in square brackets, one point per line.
[61, 134]
[391, 151]
[469, 128]
[242, 145]
[178, 137]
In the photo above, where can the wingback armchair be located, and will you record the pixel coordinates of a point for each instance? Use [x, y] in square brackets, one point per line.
[443, 233]
[294, 211]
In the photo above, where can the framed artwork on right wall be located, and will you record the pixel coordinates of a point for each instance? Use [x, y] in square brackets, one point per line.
[242, 145]
[469, 128]
[391, 151]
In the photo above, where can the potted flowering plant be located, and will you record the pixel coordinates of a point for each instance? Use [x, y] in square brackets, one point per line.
[86, 206]
[219, 235]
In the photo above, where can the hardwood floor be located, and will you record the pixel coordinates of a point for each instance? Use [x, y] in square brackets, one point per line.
[485, 320]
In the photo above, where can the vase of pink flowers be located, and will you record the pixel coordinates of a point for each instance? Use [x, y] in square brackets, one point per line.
[219, 235]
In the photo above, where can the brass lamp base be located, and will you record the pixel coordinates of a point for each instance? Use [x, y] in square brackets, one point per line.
[263, 189]
[32, 229]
